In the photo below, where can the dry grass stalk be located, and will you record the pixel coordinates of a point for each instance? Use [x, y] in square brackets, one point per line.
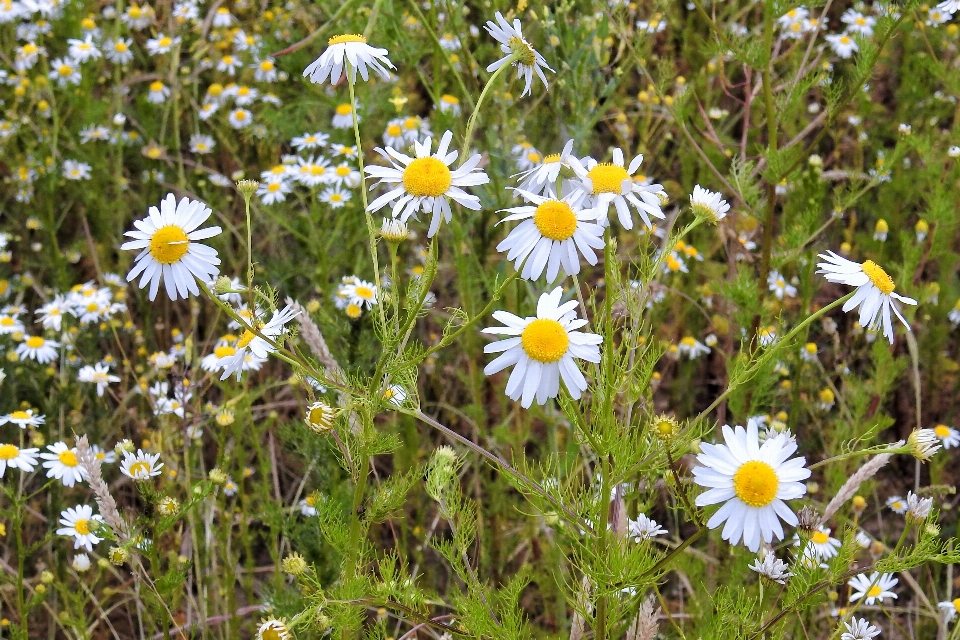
[645, 625]
[105, 502]
[849, 488]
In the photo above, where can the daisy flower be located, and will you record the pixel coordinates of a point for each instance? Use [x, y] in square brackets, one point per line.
[312, 171]
[821, 544]
[395, 395]
[345, 175]
[335, 197]
[519, 52]
[62, 464]
[167, 240]
[140, 466]
[752, 482]
[948, 435]
[9, 323]
[343, 116]
[949, 6]
[39, 349]
[897, 504]
[240, 118]
[273, 190]
[76, 170]
[201, 144]
[777, 284]
[771, 568]
[708, 204]
[542, 178]
[16, 458]
[449, 104]
[543, 348]
[949, 609]
[23, 418]
[350, 48]
[842, 44]
[874, 293]
[612, 183]
[119, 51]
[692, 348]
[308, 506]
[161, 44]
[426, 182]
[550, 236]
[859, 630]
[643, 528]
[251, 343]
[873, 588]
[98, 374]
[78, 522]
[310, 141]
[64, 71]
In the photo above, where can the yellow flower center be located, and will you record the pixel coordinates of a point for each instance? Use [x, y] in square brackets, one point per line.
[6, 321]
[545, 340]
[673, 264]
[344, 110]
[82, 526]
[273, 187]
[394, 130]
[317, 170]
[20, 415]
[427, 177]
[266, 65]
[224, 351]
[240, 114]
[756, 483]
[941, 430]
[353, 311]
[35, 342]
[68, 459]
[245, 339]
[819, 537]
[243, 91]
[139, 468]
[134, 12]
[165, 41]
[810, 348]
[319, 415]
[550, 159]
[8, 452]
[346, 37]
[411, 123]
[956, 604]
[878, 277]
[120, 46]
[555, 220]
[449, 99]
[169, 244]
[524, 53]
[156, 86]
[364, 292]
[861, 21]
[310, 500]
[607, 178]
[343, 172]
[874, 591]
[65, 70]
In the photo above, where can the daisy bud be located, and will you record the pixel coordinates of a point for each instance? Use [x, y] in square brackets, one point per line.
[320, 417]
[442, 472]
[665, 427]
[46, 577]
[273, 629]
[707, 205]
[808, 521]
[124, 446]
[394, 230]
[118, 555]
[222, 286]
[168, 506]
[217, 476]
[923, 443]
[294, 564]
[247, 188]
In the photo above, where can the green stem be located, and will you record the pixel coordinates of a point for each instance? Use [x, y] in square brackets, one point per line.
[468, 137]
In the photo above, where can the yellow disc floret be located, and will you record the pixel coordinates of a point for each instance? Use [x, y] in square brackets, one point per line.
[8, 452]
[756, 483]
[874, 591]
[35, 342]
[522, 51]
[607, 178]
[941, 430]
[427, 177]
[555, 220]
[878, 277]
[82, 526]
[169, 244]
[138, 469]
[819, 537]
[345, 38]
[545, 340]
[68, 459]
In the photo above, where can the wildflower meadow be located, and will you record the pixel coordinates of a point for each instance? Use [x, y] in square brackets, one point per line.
[403, 319]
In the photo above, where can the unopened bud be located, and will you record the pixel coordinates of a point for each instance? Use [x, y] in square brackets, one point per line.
[294, 564]
[247, 188]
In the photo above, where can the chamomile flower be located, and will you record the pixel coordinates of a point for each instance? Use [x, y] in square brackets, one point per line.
[240, 118]
[949, 436]
[778, 285]
[692, 348]
[708, 205]
[541, 179]
[167, 238]
[343, 116]
[79, 522]
[274, 190]
[140, 466]
[98, 374]
[352, 52]
[62, 464]
[897, 504]
[83, 50]
[842, 44]
[542, 349]
[821, 544]
[949, 609]
[771, 568]
[75, 170]
[201, 143]
[551, 235]
[449, 104]
[873, 588]
[38, 348]
[161, 44]
[426, 182]
[612, 183]
[752, 482]
[23, 418]
[308, 506]
[14, 457]
[874, 295]
[335, 197]
[255, 345]
[310, 141]
[65, 71]
[119, 51]
[10, 324]
[859, 629]
[359, 292]
[643, 528]
[519, 52]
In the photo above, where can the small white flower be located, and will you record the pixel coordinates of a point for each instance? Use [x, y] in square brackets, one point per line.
[949, 609]
[37, 348]
[343, 49]
[16, 458]
[98, 374]
[918, 508]
[78, 522]
[140, 466]
[949, 436]
[519, 52]
[873, 588]
[772, 568]
[708, 204]
[252, 344]
[613, 183]
[643, 528]
[859, 630]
